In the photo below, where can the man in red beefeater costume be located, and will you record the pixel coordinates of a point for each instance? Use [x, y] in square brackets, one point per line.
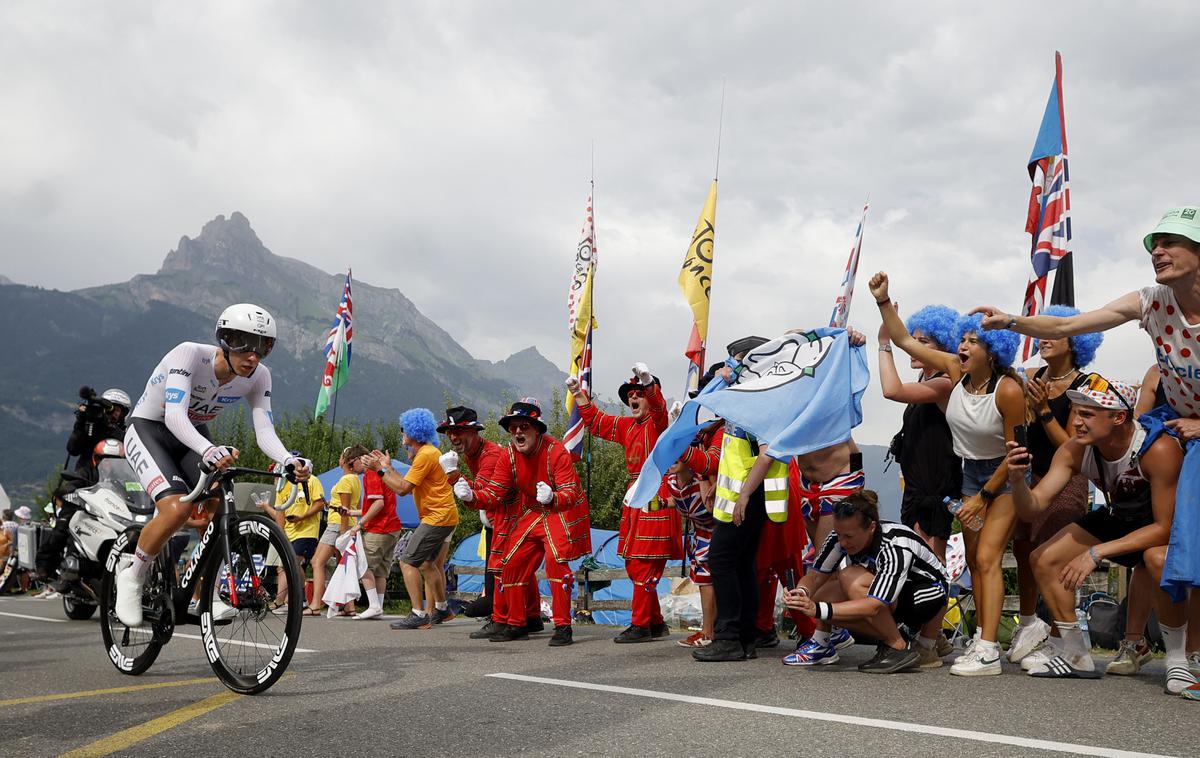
[548, 517]
[482, 456]
[647, 538]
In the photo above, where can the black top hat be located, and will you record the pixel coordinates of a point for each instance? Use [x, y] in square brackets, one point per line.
[633, 384]
[460, 417]
[745, 345]
[526, 408]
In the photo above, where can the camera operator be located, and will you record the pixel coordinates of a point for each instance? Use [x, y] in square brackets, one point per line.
[869, 576]
[98, 418]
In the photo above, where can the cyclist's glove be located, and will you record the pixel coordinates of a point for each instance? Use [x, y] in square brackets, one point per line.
[297, 462]
[216, 453]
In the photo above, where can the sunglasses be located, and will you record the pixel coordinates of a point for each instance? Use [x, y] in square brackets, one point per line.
[244, 342]
[1097, 383]
[519, 426]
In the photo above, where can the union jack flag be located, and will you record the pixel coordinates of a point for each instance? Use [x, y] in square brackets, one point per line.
[1049, 219]
[344, 315]
[337, 352]
[841, 306]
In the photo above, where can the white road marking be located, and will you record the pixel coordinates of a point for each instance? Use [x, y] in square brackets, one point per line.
[176, 634]
[899, 726]
[243, 644]
[34, 618]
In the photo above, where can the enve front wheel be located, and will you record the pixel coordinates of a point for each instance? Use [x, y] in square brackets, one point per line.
[248, 644]
[132, 649]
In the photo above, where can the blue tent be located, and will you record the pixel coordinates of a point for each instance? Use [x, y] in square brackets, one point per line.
[604, 552]
[406, 508]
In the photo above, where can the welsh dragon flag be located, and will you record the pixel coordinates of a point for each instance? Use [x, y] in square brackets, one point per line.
[337, 351]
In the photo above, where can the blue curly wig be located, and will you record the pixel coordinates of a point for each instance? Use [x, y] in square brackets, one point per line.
[1001, 344]
[419, 424]
[939, 323]
[1083, 346]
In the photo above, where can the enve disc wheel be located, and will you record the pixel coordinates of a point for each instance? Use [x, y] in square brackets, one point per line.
[131, 650]
[249, 645]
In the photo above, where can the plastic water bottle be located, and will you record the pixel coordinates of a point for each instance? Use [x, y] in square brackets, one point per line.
[1081, 617]
[955, 505]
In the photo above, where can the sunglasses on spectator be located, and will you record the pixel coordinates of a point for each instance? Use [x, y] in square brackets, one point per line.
[1097, 383]
[519, 426]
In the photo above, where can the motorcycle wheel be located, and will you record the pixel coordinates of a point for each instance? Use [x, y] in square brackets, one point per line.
[249, 646]
[132, 650]
[77, 610]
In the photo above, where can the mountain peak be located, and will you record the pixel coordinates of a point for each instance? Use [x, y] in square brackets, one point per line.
[222, 241]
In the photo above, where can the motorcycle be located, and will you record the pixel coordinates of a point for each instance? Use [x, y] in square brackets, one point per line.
[115, 504]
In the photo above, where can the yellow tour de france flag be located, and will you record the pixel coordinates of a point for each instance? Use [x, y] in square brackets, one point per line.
[695, 279]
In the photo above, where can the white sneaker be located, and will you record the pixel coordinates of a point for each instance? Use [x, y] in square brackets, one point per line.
[52, 594]
[979, 660]
[222, 611]
[1179, 678]
[1026, 640]
[129, 597]
[1194, 663]
[1039, 658]
[372, 612]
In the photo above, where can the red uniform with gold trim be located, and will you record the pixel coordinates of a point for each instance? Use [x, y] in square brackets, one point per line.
[780, 548]
[558, 532]
[647, 538]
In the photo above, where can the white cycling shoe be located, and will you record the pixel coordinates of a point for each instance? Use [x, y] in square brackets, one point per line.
[129, 597]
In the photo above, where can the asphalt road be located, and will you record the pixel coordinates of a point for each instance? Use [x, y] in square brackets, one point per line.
[367, 690]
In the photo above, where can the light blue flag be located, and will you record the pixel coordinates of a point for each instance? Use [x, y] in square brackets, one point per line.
[798, 393]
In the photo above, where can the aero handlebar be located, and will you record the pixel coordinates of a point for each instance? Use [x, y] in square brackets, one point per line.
[207, 475]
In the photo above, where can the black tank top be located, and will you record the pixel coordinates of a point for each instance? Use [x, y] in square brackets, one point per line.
[1040, 446]
[926, 455]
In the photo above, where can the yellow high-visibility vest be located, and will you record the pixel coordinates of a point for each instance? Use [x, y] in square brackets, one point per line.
[737, 458]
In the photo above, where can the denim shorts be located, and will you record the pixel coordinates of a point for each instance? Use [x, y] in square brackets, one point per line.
[977, 473]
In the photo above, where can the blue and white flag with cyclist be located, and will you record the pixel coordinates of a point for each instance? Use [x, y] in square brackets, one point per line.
[797, 393]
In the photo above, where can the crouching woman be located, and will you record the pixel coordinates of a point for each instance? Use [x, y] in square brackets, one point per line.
[869, 576]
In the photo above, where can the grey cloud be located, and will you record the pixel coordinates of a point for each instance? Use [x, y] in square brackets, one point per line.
[430, 145]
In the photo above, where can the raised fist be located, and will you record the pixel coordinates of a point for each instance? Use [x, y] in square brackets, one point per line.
[463, 491]
[879, 286]
[545, 495]
[642, 372]
[449, 462]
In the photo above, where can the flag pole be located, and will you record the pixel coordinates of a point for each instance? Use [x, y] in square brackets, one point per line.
[587, 487]
[720, 128]
[332, 427]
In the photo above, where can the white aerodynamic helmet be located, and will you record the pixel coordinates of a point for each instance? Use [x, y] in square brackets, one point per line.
[246, 327]
[116, 396]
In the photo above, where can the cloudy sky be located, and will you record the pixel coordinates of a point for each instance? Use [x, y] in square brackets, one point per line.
[446, 148]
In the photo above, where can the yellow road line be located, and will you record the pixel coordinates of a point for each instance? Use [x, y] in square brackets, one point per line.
[109, 691]
[134, 734]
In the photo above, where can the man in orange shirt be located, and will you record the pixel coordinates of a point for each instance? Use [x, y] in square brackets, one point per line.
[427, 483]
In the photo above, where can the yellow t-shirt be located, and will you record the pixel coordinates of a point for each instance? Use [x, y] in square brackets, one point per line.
[351, 485]
[309, 527]
[431, 489]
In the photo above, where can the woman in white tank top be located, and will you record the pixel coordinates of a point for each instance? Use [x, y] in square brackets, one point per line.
[987, 402]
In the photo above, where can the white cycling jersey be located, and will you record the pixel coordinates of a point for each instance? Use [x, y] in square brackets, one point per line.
[183, 392]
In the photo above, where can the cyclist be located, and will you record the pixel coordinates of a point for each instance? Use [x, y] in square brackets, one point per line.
[168, 433]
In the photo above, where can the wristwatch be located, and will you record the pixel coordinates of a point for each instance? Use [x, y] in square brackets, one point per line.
[987, 495]
[1012, 321]
[885, 348]
[1046, 417]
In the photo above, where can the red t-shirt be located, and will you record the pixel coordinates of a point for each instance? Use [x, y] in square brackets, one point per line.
[373, 489]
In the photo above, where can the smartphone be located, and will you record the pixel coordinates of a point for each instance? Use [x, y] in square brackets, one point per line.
[1021, 437]
[856, 461]
[789, 579]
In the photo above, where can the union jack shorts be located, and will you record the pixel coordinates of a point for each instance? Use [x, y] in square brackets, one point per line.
[697, 553]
